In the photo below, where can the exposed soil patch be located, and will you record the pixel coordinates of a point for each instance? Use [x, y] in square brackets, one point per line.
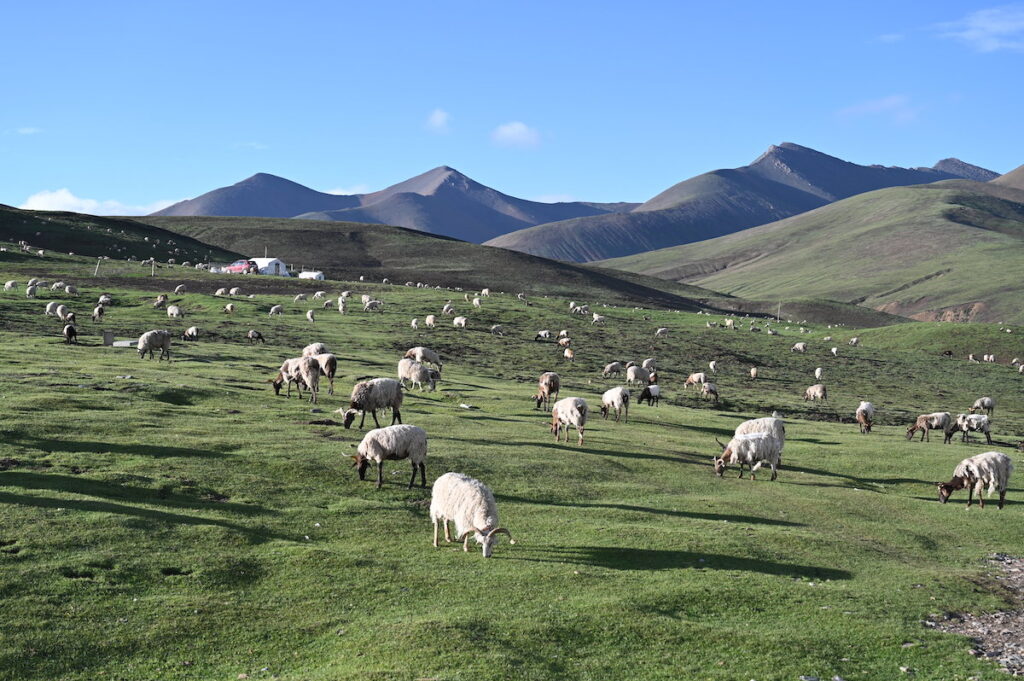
[997, 636]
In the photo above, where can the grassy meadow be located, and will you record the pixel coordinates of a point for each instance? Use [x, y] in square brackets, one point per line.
[178, 521]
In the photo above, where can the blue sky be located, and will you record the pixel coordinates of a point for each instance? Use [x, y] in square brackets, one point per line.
[116, 107]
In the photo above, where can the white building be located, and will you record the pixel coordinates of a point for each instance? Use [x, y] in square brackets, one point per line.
[271, 266]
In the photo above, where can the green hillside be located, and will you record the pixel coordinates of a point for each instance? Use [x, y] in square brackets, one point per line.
[947, 251]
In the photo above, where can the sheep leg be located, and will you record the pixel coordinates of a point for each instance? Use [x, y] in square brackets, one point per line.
[423, 474]
[362, 420]
[580, 444]
[741, 469]
[465, 544]
[988, 438]
[380, 474]
[627, 413]
[330, 391]
[373, 413]
[970, 496]
[435, 531]
[447, 532]
[413, 479]
[775, 473]
[1002, 499]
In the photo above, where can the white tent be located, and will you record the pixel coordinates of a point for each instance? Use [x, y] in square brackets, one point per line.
[317, 274]
[271, 266]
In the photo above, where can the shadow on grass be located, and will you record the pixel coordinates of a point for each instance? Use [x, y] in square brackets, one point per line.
[97, 488]
[156, 451]
[753, 520]
[626, 558]
[573, 447]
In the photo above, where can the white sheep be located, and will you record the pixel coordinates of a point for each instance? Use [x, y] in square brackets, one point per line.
[973, 423]
[818, 373]
[97, 313]
[220, 292]
[564, 342]
[447, 310]
[415, 324]
[105, 299]
[864, 415]
[855, 341]
[378, 393]
[314, 349]
[10, 285]
[51, 308]
[235, 291]
[301, 371]
[799, 347]
[345, 295]
[542, 334]
[698, 378]
[617, 400]
[548, 386]
[417, 374]
[991, 469]
[229, 308]
[471, 505]
[713, 365]
[476, 303]
[773, 425]
[709, 390]
[751, 449]
[569, 411]
[834, 351]
[598, 319]
[753, 372]
[254, 336]
[430, 321]
[155, 339]
[393, 443]
[612, 368]
[422, 354]
[190, 334]
[180, 288]
[328, 364]
[650, 364]
[986, 404]
[70, 334]
[365, 298]
[310, 316]
[30, 291]
[175, 312]
[939, 420]
[342, 305]
[564, 333]
[299, 298]
[319, 295]
[661, 332]
[569, 354]
[71, 290]
[637, 375]
[816, 392]
[497, 330]
[373, 306]
[730, 324]
[485, 293]
[459, 322]
[276, 309]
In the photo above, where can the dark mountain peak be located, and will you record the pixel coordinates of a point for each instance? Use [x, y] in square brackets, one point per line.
[968, 171]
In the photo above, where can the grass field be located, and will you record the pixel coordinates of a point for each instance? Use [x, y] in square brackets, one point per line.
[177, 521]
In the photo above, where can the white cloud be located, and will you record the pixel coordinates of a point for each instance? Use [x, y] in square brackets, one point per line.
[437, 121]
[354, 189]
[64, 200]
[897, 108]
[515, 134]
[29, 131]
[988, 30]
[554, 198]
[890, 38]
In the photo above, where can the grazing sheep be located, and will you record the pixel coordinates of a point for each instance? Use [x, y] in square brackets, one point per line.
[152, 340]
[235, 291]
[301, 371]
[497, 330]
[991, 469]
[855, 341]
[730, 324]
[476, 303]
[816, 392]
[345, 295]
[160, 302]
[220, 292]
[30, 291]
[10, 285]
[698, 378]
[190, 334]
[105, 299]
[255, 336]
[984, 403]
[342, 306]
[471, 505]
[973, 423]
[637, 375]
[569, 354]
[70, 334]
[415, 324]
[709, 390]
[71, 290]
[314, 349]
[752, 449]
[310, 316]
[569, 411]
[650, 394]
[447, 309]
[598, 319]
[378, 393]
[713, 365]
[328, 367]
[753, 372]
[51, 308]
[373, 306]
[865, 414]
[543, 334]
[459, 322]
[650, 364]
[485, 293]
[564, 333]
[799, 347]
[180, 288]
[548, 386]
[319, 295]
[276, 309]
[773, 425]
[393, 443]
[430, 321]
[328, 304]
[175, 312]
[417, 374]
[835, 352]
[422, 354]
[299, 298]
[616, 399]
[97, 313]
[939, 420]
[660, 332]
[612, 369]
[818, 373]
[229, 308]
[365, 298]
[564, 342]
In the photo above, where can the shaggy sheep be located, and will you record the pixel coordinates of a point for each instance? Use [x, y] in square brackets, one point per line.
[476, 303]
[10, 285]
[752, 449]
[773, 425]
[105, 299]
[564, 342]
[155, 339]
[598, 319]
[547, 389]
[569, 354]
[612, 368]
[447, 309]
[301, 371]
[417, 374]
[373, 306]
[369, 396]
[698, 378]
[569, 411]
[235, 291]
[71, 290]
[180, 288]
[855, 341]
[30, 291]
[430, 321]
[650, 364]
[497, 330]
[713, 365]
[276, 309]
[986, 404]
[314, 349]
[459, 322]
[229, 308]
[485, 292]
[97, 313]
[939, 420]
[564, 333]
[637, 375]
[319, 295]
[816, 392]
[175, 312]
[617, 400]
[818, 373]
[991, 469]
[415, 324]
[70, 334]
[799, 347]
[650, 394]
[57, 286]
[865, 414]
[753, 372]
[254, 336]
[422, 354]
[51, 308]
[973, 423]
[220, 292]
[328, 367]
[661, 332]
[471, 505]
[310, 316]
[393, 443]
[190, 334]
[709, 390]
[543, 334]
[730, 324]
[365, 298]
[299, 298]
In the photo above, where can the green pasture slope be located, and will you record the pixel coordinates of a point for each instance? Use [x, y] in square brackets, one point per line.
[177, 521]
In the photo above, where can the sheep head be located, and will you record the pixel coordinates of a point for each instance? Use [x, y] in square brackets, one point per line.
[350, 416]
[487, 538]
[719, 462]
[360, 463]
[911, 430]
[946, 489]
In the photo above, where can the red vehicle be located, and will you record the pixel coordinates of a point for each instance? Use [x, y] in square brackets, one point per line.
[241, 267]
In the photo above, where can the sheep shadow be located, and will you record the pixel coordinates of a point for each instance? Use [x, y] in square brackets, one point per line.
[626, 558]
[753, 520]
[572, 447]
[50, 445]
